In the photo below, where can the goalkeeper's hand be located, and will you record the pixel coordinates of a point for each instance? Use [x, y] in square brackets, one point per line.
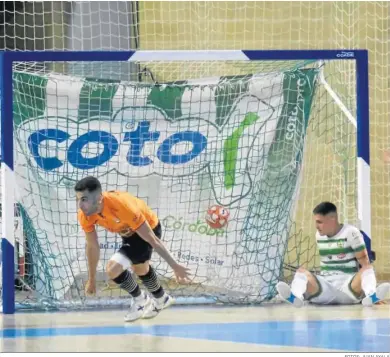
[90, 287]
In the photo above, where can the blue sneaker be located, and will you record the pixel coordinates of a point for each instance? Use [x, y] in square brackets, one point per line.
[381, 291]
[285, 293]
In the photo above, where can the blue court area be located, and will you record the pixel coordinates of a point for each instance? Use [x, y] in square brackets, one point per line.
[356, 334]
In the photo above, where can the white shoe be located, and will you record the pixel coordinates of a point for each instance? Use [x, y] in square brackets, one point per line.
[285, 293]
[139, 308]
[380, 294]
[164, 301]
[158, 305]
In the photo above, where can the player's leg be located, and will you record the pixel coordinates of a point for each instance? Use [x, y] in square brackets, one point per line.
[150, 280]
[118, 270]
[364, 282]
[304, 286]
[140, 253]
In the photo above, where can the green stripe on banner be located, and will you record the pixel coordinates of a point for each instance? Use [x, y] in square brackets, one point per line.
[271, 206]
[168, 98]
[29, 96]
[226, 94]
[230, 149]
[335, 251]
[96, 99]
[286, 150]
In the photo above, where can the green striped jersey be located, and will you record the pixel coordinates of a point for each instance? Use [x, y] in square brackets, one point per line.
[337, 253]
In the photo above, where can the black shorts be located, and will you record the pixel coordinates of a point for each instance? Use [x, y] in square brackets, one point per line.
[138, 250]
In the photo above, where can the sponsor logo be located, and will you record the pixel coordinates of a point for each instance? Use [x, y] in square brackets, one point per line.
[190, 257]
[140, 141]
[200, 227]
[344, 54]
[114, 245]
[293, 117]
[340, 244]
[96, 147]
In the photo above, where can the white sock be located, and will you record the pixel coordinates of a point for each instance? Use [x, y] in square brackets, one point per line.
[369, 282]
[299, 284]
[141, 297]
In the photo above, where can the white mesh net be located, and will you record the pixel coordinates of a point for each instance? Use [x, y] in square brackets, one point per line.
[225, 25]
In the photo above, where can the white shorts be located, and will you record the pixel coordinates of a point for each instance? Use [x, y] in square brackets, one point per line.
[335, 290]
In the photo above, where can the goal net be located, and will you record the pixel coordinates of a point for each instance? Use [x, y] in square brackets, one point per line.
[264, 139]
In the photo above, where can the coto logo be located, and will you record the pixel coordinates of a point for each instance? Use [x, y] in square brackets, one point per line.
[137, 139]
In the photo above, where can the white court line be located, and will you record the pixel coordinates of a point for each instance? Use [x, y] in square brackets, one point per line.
[377, 334]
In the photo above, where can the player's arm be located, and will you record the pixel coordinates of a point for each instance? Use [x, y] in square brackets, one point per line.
[92, 248]
[93, 253]
[147, 234]
[130, 214]
[359, 247]
[137, 222]
[362, 258]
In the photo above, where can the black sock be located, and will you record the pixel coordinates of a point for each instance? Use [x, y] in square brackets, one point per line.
[151, 282]
[126, 282]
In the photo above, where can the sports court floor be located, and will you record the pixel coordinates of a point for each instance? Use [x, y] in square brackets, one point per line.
[277, 328]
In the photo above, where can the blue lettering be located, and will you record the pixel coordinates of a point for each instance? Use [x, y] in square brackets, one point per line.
[138, 138]
[35, 139]
[199, 143]
[102, 137]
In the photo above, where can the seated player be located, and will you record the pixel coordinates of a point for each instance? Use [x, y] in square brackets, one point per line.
[140, 229]
[342, 249]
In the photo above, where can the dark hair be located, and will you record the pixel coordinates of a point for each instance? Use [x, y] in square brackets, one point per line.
[325, 208]
[89, 183]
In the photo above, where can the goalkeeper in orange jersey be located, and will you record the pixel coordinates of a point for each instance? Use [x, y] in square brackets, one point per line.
[140, 229]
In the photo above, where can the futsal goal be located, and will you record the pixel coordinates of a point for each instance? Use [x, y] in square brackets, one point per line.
[258, 133]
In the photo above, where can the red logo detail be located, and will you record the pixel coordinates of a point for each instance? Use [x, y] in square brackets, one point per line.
[341, 256]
